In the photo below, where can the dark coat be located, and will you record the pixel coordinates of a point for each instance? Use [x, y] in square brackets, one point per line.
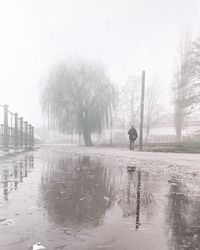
[132, 133]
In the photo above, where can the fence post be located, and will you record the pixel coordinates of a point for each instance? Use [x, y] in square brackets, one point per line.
[16, 132]
[32, 135]
[5, 134]
[25, 135]
[29, 136]
[21, 132]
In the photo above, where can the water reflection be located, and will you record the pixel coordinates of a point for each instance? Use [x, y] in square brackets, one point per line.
[76, 190]
[5, 183]
[13, 173]
[139, 195]
[138, 200]
[183, 214]
[84, 193]
[131, 182]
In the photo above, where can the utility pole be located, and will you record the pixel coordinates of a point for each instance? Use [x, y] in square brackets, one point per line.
[142, 111]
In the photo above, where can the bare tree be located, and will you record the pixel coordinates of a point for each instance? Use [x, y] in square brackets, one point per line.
[183, 87]
[78, 98]
[134, 100]
[153, 108]
[129, 101]
[194, 58]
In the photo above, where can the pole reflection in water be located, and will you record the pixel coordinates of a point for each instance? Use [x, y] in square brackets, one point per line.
[130, 179]
[15, 176]
[138, 200]
[26, 166]
[131, 171]
[31, 162]
[5, 181]
[139, 195]
[21, 169]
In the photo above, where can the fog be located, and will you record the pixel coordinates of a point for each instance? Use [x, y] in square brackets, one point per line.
[126, 36]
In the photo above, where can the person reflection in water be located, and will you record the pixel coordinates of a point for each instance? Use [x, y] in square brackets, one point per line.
[132, 137]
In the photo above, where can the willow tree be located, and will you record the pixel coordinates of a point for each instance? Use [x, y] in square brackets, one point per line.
[78, 98]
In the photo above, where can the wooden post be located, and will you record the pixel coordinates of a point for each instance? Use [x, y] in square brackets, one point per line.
[142, 111]
[30, 136]
[26, 135]
[21, 132]
[5, 129]
[16, 132]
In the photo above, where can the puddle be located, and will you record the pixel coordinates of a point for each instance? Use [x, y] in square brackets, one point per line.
[78, 202]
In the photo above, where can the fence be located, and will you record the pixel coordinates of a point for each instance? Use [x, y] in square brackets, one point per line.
[15, 133]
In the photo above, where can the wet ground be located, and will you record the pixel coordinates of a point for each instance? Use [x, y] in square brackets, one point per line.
[75, 202]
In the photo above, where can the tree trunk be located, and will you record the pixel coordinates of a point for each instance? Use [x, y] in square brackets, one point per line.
[87, 138]
[111, 124]
[179, 119]
[147, 134]
[79, 139]
[178, 135]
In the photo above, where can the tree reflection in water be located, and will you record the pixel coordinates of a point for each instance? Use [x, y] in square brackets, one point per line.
[76, 190]
[183, 216]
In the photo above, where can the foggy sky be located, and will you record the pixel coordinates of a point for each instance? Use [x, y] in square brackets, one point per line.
[127, 36]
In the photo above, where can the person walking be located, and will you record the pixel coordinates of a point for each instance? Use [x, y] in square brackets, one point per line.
[132, 137]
